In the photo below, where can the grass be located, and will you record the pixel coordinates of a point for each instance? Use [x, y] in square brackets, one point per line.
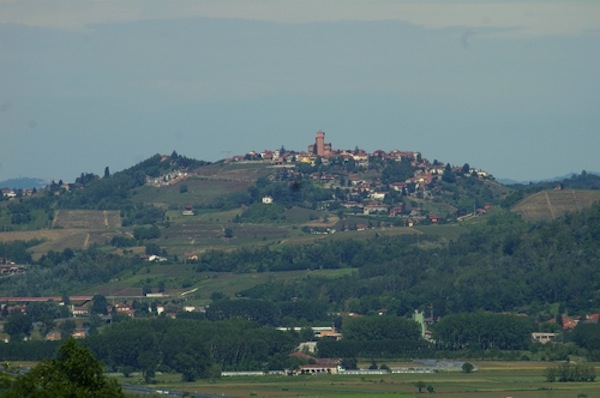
[181, 278]
[516, 379]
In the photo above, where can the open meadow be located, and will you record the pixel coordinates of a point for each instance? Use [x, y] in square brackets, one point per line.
[492, 380]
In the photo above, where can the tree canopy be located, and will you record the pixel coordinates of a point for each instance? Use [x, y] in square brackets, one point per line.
[75, 373]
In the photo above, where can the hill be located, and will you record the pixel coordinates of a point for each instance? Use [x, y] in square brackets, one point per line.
[258, 216]
[302, 243]
[549, 205]
[24, 183]
[199, 206]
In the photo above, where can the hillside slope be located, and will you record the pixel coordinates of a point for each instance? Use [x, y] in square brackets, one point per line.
[548, 205]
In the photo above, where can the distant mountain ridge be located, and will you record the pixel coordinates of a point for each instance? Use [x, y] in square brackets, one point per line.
[24, 183]
[510, 181]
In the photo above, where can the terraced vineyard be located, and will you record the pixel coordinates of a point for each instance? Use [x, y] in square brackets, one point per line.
[87, 219]
[548, 205]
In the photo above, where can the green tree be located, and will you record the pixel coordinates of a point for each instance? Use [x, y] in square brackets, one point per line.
[420, 385]
[448, 175]
[148, 361]
[467, 367]
[99, 305]
[307, 334]
[75, 373]
[349, 363]
[192, 366]
[67, 328]
[18, 326]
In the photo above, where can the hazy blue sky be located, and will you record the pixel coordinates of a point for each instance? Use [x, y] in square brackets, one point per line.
[512, 87]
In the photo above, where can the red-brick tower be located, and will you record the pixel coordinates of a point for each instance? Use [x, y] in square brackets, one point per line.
[320, 148]
[320, 143]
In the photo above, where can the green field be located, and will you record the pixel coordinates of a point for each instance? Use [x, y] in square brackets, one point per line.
[493, 380]
[181, 278]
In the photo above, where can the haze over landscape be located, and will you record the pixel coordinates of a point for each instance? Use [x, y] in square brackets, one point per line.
[509, 87]
[308, 198]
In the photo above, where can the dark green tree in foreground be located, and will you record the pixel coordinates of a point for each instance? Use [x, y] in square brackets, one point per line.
[75, 373]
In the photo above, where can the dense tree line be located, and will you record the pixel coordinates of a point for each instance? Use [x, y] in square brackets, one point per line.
[17, 251]
[317, 255]
[377, 337]
[192, 347]
[270, 313]
[502, 265]
[587, 336]
[69, 270]
[34, 350]
[568, 372]
[483, 331]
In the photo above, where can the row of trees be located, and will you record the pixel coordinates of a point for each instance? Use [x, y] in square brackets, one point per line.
[571, 372]
[284, 313]
[483, 331]
[17, 251]
[194, 348]
[70, 270]
[377, 337]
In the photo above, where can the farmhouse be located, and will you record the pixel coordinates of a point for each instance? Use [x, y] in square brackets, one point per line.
[317, 366]
[8, 193]
[543, 337]
[374, 208]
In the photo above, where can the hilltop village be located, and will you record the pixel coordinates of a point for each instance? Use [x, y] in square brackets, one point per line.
[363, 185]
[322, 153]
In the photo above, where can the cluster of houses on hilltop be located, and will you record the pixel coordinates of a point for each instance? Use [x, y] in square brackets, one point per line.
[363, 194]
[168, 179]
[323, 152]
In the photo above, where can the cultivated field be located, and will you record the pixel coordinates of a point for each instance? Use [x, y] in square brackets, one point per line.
[205, 185]
[493, 380]
[74, 229]
[184, 278]
[548, 205]
[87, 219]
[57, 239]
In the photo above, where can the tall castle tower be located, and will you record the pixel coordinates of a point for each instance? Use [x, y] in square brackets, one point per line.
[320, 148]
[320, 143]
